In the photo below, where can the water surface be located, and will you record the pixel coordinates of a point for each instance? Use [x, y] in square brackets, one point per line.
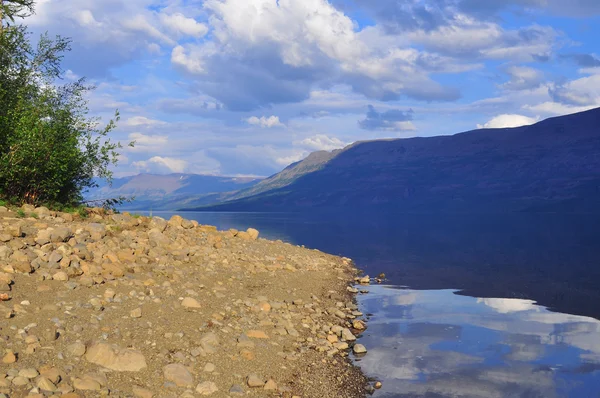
[473, 306]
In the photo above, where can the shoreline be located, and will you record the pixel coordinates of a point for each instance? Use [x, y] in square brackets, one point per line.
[121, 305]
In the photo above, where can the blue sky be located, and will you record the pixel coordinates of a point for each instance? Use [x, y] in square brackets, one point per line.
[245, 87]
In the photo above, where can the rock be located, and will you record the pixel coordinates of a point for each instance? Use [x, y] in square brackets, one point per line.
[178, 374]
[359, 349]
[253, 233]
[209, 368]
[114, 358]
[358, 325]
[189, 302]
[347, 335]
[257, 334]
[20, 381]
[23, 267]
[236, 389]
[76, 349]
[136, 313]
[30, 373]
[141, 392]
[9, 357]
[45, 384]
[207, 388]
[244, 235]
[97, 231]
[158, 223]
[255, 381]
[5, 237]
[175, 221]
[270, 385]
[60, 234]
[377, 385]
[60, 276]
[86, 384]
[365, 280]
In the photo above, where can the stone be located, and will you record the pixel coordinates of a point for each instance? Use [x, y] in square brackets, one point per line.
[255, 381]
[114, 358]
[178, 374]
[270, 385]
[365, 280]
[97, 231]
[253, 233]
[136, 313]
[189, 302]
[60, 276]
[158, 223]
[209, 368]
[347, 335]
[140, 392]
[86, 384]
[9, 357]
[20, 381]
[76, 349]
[257, 334]
[30, 373]
[207, 388]
[45, 384]
[358, 325]
[359, 349]
[236, 389]
[60, 234]
[175, 221]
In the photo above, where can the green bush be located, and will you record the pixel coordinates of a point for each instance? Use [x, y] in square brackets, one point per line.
[50, 149]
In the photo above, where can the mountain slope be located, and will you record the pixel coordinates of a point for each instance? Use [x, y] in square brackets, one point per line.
[172, 191]
[553, 165]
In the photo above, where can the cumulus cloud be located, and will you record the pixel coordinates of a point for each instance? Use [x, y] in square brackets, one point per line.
[158, 164]
[183, 25]
[390, 120]
[321, 142]
[505, 121]
[265, 122]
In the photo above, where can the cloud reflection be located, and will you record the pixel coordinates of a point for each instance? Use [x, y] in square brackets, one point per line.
[453, 346]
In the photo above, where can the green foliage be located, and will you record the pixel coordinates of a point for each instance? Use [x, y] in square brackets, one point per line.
[21, 213]
[33, 215]
[3, 202]
[50, 149]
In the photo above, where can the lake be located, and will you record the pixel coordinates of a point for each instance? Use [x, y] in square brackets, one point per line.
[472, 306]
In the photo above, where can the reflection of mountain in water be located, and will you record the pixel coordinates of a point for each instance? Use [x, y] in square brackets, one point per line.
[454, 346]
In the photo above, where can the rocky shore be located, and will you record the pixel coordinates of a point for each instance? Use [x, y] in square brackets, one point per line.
[131, 306]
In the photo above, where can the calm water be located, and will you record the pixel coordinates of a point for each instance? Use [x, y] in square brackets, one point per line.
[474, 306]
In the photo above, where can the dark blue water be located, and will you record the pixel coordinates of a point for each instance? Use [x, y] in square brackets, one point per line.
[473, 306]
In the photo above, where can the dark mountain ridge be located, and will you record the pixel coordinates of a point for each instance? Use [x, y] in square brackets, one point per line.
[552, 166]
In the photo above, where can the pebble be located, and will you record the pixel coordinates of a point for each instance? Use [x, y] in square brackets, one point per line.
[207, 388]
[9, 357]
[236, 389]
[255, 380]
[359, 349]
[136, 313]
[178, 374]
[190, 302]
[209, 368]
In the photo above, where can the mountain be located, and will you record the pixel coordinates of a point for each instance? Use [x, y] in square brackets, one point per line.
[170, 192]
[551, 166]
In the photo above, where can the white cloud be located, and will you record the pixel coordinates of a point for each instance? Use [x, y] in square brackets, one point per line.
[505, 306]
[142, 121]
[321, 142]
[161, 164]
[504, 121]
[265, 122]
[181, 24]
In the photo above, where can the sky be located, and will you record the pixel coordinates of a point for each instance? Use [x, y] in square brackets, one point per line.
[246, 87]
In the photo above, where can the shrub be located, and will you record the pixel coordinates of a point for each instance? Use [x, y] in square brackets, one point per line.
[50, 149]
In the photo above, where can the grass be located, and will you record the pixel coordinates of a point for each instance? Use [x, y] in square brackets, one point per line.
[3, 202]
[33, 215]
[21, 213]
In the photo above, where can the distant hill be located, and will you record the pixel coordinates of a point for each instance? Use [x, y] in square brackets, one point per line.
[552, 166]
[170, 192]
